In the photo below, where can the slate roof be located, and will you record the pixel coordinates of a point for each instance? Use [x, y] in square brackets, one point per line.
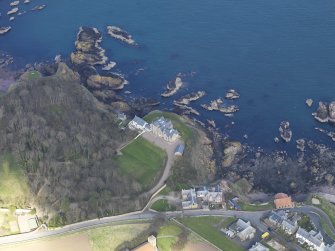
[180, 149]
[139, 121]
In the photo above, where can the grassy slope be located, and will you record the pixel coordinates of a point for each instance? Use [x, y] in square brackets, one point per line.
[14, 188]
[110, 237]
[167, 236]
[142, 160]
[206, 227]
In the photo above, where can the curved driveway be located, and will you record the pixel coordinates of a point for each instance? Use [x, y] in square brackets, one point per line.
[317, 215]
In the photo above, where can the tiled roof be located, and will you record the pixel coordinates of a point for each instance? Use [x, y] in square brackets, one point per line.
[284, 202]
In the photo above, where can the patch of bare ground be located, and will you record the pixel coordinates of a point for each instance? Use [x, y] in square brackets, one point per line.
[66, 243]
[199, 246]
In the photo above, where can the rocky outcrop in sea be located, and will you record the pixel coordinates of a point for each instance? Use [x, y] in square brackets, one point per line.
[285, 131]
[218, 105]
[325, 113]
[186, 110]
[5, 29]
[120, 34]
[232, 94]
[39, 7]
[88, 49]
[309, 102]
[327, 133]
[172, 87]
[185, 100]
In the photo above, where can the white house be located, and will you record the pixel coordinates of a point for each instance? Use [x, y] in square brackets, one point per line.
[312, 239]
[139, 124]
[243, 230]
[289, 226]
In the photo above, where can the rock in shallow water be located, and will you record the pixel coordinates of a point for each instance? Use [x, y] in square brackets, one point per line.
[309, 102]
[325, 113]
[285, 131]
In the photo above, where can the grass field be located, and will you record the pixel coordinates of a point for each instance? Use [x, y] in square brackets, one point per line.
[110, 237]
[177, 121]
[142, 160]
[207, 228]
[14, 188]
[167, 236]
[163, 206]
[255, 207]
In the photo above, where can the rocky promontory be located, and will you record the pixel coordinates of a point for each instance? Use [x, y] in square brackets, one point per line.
[285, 131]
[88, 49]
[120, 34]
[185, 100]
[172, 87]
[325, 113]
[114, 82]
[231, 150]
[218, 105]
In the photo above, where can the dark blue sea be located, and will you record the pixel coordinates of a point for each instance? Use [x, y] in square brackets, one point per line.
[276, 53]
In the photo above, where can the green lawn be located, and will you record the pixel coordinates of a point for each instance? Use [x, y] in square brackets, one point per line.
[327, 229]
[165, 191]
[33, 74]
[142, 160]
[255, 207]
[226, 222]
[29, 75]
[167, 236]
[110, 237]
[177, 121]
[14, 188]
[206, 227]
[163, 206]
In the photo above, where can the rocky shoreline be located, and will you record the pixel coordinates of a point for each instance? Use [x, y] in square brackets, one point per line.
[234, 159]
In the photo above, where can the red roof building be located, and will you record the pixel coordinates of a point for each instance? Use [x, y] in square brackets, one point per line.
[282, 200]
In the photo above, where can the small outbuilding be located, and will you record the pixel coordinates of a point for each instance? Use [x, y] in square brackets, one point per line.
[179, 150]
